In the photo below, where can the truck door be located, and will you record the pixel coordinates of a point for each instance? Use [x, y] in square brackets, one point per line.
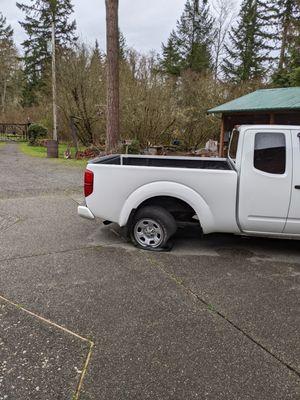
[293, 221]
[265, 180]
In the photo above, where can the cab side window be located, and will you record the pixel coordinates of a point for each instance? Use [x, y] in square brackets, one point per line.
[234, 141]
[270, 152]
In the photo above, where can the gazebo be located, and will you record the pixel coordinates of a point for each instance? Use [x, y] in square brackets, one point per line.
[264, 106]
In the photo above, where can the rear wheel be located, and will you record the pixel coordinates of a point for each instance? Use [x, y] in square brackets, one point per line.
[152, 228]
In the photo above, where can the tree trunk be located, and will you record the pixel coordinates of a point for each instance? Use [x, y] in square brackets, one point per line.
[4, 96]
[74, 135]
[286, 25]
[113, 97]
[283, 44]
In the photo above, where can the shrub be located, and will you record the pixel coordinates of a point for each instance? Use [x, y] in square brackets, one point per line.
[35, 132]
[133, 148]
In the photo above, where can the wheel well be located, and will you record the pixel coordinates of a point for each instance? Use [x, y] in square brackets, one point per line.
[180, 210]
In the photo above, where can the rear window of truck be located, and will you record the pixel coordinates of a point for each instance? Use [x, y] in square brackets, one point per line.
[234, 141]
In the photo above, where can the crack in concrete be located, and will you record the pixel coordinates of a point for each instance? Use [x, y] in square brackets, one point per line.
[51, 253]
[7, 221]
[213, 309]
[65, 330]
[84, 371]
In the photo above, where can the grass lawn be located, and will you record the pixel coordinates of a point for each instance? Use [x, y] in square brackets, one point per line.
[40, 151]
[2, 144]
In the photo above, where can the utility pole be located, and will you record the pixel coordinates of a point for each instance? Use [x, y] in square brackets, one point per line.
[52, 145]
[54, 82]
[113, 96]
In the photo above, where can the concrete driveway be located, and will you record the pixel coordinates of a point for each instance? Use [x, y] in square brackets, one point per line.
[84, 315]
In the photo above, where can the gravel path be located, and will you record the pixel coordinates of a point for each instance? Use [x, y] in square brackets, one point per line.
[25, 176]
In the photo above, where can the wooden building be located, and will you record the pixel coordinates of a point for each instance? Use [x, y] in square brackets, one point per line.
[266, 106]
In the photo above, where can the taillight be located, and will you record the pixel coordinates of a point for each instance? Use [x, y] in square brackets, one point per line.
[88, 182]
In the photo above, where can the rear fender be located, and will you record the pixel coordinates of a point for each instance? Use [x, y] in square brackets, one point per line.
[171, 189]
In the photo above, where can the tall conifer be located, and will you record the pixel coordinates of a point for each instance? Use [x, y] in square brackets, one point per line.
[249, 48]
[288, 38]
[39, 15]
[189, 46]
[9, 65]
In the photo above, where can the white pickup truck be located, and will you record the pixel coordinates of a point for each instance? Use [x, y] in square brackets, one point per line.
[255, 191]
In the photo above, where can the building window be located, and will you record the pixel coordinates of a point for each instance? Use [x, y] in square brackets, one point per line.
[270, 152]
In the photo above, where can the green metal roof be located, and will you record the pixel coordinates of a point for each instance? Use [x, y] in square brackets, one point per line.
[263, 100]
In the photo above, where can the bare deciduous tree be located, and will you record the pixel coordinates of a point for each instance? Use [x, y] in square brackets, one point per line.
[81, 78]
[224, 12]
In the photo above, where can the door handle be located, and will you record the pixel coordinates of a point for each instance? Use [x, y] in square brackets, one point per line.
[297, 187]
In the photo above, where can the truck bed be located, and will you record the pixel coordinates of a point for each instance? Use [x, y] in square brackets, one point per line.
[120, 180]
[165, 161]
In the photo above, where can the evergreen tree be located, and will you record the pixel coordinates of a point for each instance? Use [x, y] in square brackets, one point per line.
[8, 64]
[288, 28]
[171, 62]
[249, 49]
[96, 53]
[288, 21]
[295, 54]
[6, 31]
[96, 63]
[39, 16]
[122, 46]
[189, 46]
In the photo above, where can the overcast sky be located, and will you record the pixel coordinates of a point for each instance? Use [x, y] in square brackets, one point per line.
[145, 23]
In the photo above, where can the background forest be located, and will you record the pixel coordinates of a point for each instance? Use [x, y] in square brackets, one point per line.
[213, 55]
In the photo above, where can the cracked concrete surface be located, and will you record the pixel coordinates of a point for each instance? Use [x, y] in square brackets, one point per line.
[38, 360]
[214, 319]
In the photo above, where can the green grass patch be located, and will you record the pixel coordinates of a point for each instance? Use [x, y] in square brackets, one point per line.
[41, 152]
[2, 144]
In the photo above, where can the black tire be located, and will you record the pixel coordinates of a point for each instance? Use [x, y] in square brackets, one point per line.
[162, 222]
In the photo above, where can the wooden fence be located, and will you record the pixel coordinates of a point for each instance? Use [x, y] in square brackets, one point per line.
[14, 132]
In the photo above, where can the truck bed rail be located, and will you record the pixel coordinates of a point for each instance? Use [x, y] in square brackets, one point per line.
[165, 162]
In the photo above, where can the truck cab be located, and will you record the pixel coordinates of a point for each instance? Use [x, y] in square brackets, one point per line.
[267, 160]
